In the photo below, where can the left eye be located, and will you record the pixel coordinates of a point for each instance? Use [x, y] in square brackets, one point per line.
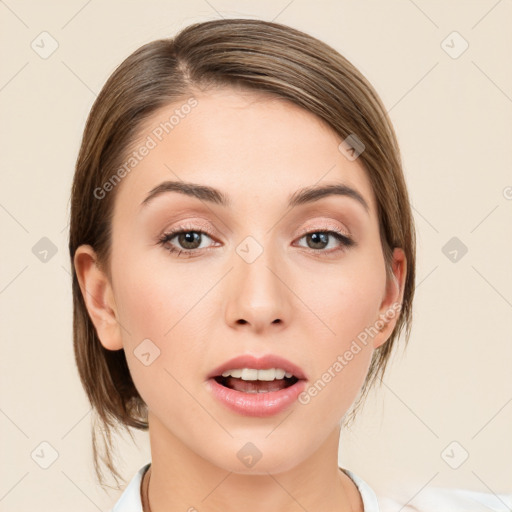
[320, 239]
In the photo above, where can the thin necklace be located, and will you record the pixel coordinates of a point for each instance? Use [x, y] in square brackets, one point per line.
[145, 491]
[145, 494]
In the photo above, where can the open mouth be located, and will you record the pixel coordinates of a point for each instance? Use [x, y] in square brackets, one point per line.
[255, 386]
[258, 392]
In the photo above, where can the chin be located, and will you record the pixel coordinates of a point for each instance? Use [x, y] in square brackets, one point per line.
[256, 456]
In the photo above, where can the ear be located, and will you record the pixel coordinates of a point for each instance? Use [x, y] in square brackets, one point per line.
[98, 297]
[391, 305]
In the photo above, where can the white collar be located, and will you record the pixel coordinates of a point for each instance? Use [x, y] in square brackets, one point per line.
[130, 500]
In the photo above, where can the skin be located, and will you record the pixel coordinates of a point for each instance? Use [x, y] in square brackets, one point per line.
[257, 150]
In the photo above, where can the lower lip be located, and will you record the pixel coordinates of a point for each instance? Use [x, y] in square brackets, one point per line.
[256, 404]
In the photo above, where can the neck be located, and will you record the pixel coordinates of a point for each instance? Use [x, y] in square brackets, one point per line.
[182, 480]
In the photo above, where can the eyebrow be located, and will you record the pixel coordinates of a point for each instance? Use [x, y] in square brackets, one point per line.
[302, 196]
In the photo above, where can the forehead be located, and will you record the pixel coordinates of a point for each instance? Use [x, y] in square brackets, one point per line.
[255, 148]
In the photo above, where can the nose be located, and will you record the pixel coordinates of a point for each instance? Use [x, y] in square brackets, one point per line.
[258, 298]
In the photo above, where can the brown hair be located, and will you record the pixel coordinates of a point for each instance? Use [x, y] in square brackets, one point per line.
[251, 54]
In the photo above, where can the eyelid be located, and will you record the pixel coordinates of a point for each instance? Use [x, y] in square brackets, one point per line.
[190, 226]
[205, 227]
[324, 227]
[197, 226]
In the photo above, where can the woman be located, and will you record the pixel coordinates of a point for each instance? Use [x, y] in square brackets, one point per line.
[244, 261]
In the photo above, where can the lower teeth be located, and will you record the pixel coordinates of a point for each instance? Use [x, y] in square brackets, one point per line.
[253, 387]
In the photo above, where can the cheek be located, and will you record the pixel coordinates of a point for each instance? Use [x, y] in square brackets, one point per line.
[341, 359]
[150, 310]
[157, 310]
[348, 302]
[349, 299]
[143, 306]
[153, 300]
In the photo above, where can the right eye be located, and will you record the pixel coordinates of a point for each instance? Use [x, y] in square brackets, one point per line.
[188, 238]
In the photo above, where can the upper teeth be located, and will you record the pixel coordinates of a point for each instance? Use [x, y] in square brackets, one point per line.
[251, 374]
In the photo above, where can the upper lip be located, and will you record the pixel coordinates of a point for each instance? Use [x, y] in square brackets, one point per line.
[258, 363]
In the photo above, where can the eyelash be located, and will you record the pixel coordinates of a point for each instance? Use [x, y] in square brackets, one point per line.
[345, 241]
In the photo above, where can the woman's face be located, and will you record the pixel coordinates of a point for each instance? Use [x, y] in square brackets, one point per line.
[245, 277]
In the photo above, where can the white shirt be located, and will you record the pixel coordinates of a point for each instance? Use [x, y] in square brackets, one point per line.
[130, 500]
[435, 499]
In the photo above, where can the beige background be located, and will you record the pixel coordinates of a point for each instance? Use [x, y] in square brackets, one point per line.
[453, 120]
